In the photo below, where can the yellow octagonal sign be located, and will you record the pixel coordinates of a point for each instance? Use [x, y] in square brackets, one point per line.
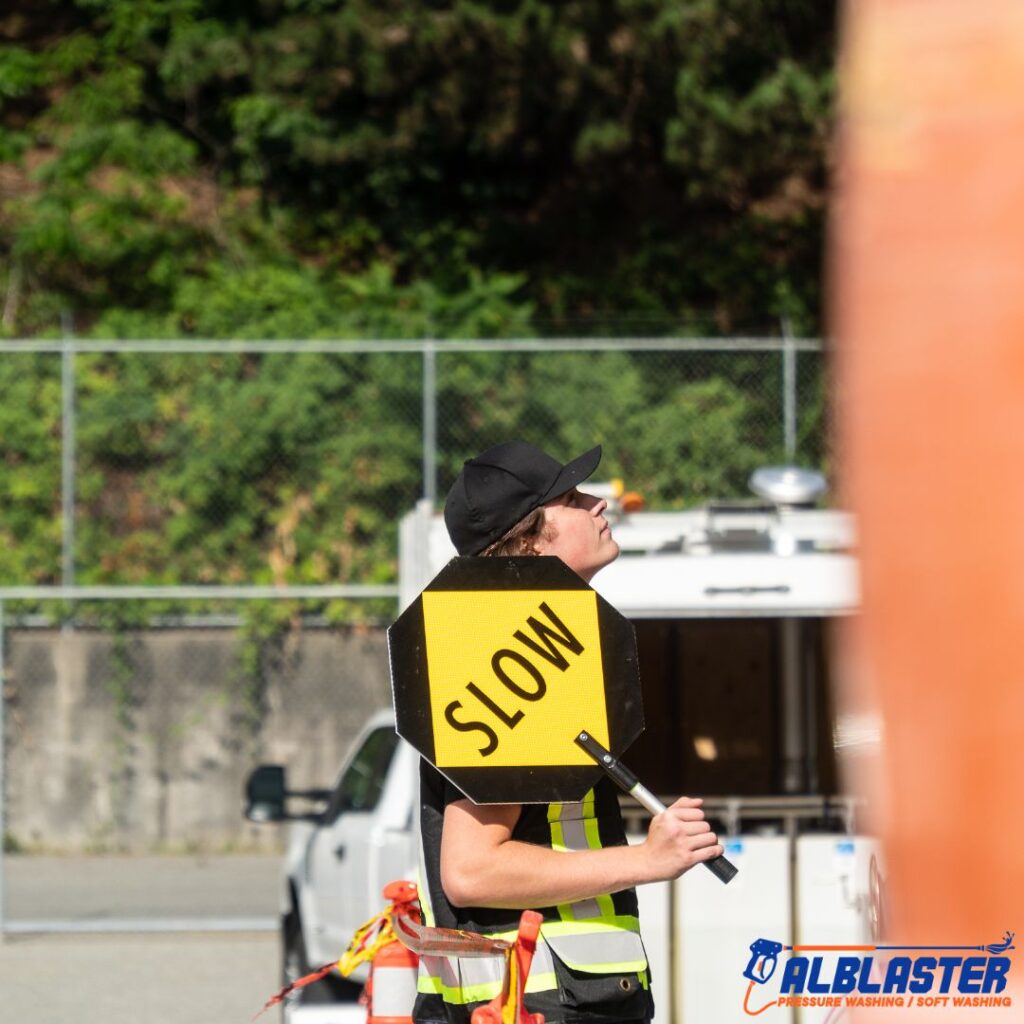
[499, 664]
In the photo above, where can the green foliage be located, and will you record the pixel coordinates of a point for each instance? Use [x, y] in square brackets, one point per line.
[636, 156]
[314, 169]
[681, 428]
[12, 844]
[30, 530]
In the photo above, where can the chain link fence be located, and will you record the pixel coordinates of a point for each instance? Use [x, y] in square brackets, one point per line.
[198, 463]
[198, 555]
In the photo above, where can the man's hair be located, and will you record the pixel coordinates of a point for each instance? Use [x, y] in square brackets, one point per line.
[519, 540]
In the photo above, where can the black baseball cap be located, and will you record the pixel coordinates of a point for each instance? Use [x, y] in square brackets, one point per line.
[498, 488]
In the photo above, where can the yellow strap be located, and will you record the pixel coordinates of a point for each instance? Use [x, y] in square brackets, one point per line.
[362, 947]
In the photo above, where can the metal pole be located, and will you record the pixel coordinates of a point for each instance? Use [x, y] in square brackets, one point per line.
[162, 346]
[794, 747]
[430, 424]
[809, 675]
[68, 465]
[3, 776]
[788, 391]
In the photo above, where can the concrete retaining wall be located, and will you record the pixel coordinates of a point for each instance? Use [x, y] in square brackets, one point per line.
[143, 741]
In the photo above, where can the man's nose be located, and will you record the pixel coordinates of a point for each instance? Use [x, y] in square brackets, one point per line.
[598, 506]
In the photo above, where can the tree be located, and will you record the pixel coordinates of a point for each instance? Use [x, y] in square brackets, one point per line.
[642, 164]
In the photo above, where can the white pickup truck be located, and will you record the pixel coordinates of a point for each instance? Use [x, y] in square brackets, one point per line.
[732, 605]
[358, 837]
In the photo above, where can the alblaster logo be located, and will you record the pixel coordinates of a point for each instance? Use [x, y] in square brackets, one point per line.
[859, 976]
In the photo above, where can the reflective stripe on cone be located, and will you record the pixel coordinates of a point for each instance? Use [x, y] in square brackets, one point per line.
[392, 985]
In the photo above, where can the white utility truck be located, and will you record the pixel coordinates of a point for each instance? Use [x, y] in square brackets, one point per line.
[732, 606]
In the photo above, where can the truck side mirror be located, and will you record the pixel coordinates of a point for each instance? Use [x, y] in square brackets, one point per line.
[265, 793]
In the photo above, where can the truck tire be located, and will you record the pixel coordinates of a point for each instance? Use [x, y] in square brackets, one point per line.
[295, 964]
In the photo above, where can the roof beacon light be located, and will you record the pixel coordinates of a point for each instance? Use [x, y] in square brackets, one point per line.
[788, 486]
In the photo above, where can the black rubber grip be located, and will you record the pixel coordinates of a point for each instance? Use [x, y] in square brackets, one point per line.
[618, 771]
[722, 868]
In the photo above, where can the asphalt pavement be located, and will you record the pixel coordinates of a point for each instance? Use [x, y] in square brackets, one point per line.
[141, 972]
[239, 888]
[207, 978]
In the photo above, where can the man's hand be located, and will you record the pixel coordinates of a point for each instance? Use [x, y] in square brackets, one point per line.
[677, 839]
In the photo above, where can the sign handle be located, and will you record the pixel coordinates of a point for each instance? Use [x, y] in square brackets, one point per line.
[720, 866]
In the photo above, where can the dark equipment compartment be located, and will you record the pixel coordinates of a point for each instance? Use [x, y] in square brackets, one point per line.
[735, 707]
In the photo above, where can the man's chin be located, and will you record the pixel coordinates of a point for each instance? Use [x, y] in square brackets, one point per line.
[612, 552]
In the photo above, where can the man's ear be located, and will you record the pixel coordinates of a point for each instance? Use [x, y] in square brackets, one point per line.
[542, 537]
[539, 543]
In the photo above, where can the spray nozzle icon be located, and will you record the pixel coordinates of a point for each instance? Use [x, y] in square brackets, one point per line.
[764, 955]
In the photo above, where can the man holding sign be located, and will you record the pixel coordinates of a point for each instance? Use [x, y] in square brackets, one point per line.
[485, 863]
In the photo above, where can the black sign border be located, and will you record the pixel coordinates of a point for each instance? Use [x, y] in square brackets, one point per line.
[501, 784]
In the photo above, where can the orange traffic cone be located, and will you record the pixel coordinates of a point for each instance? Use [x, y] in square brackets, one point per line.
[375, 941]
[391, 988]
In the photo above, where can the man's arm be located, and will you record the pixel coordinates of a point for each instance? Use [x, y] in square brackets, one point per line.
[482, 866]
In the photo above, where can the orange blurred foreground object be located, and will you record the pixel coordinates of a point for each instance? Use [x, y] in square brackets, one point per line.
[928, 308]
[510, 1007]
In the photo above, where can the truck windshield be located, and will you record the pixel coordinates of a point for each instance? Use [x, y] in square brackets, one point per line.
[361, 786]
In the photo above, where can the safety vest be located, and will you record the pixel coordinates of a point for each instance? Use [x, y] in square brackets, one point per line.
[590, 960]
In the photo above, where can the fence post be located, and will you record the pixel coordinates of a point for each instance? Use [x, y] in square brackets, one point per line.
[3, 777]
[788, 391]
[67, 465]
[430, 423]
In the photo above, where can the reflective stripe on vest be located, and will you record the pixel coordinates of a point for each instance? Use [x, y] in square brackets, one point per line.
[602, 948]
[574, 827]
[476, 979]
[423, 890]
[605, 941]
[608, 946]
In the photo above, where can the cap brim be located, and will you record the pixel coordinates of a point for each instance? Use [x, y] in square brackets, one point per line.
[573, 473]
